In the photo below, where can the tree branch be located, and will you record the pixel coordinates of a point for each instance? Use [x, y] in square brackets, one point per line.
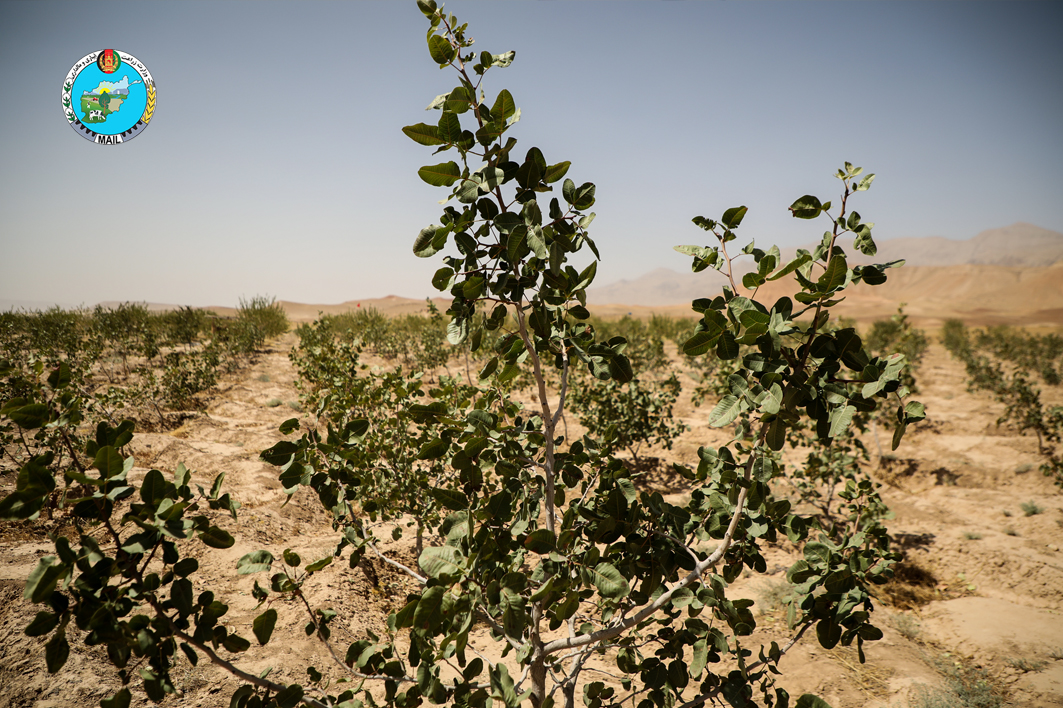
[235, 670]
[410, 572]
[690, 579]
[548, 418]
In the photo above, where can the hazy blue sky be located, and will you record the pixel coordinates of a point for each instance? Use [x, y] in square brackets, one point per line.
[275, 164]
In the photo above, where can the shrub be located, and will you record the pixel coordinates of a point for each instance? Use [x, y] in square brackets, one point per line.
[1030, 508]
[265, 313]
[965, 687]
[898, 335]
[626, 416]
[1021, 398]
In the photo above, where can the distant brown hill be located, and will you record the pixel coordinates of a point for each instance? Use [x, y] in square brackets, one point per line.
[1018, 245]
[1013, 274]
[1009, 275]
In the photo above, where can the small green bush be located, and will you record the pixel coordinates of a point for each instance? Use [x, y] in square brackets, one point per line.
[265, 313]
[965, 687]
[906, 626]
[1030, 508]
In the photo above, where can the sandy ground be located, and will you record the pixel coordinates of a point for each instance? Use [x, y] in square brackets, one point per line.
[984, 582]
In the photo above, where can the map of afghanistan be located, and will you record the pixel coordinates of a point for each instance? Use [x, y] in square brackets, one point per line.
[105, 99]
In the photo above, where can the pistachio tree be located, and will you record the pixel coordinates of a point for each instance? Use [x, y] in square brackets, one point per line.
[549, 547]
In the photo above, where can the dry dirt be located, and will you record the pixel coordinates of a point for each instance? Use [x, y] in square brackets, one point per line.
[982, 582]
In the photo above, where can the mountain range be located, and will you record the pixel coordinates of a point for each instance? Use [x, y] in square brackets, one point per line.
[1016, 248]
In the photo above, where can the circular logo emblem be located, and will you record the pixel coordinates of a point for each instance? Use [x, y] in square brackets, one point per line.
[108, 97]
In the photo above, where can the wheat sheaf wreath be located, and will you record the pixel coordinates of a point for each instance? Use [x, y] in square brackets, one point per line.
[150, 107]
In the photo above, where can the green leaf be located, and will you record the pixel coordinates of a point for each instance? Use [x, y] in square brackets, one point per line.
[700, 657]
[701, 342]
[235, 643]
[807, 207]
[776, 434]
[441, 49]
[898, 433]
[828, 633]
[541, 541]
[449, 128]
[433, 449]
[42, 579]
[727, 347]
[865, 184]
[290, 696]
[537, 243]
[503, 60]
[427, 7]
[502, 687]
[840, 419]
[254, 562]
[568, 191]
[458, 101]
[427, 612]
[30, 416]
[726, 411]
[586, 277]
[504, 106]
[608, 580]
[278, 455]
[319, 564]
[914, 411]
[215, 488]
[263, 626]
[835, 274]
[423, 134]
[584, 196]
[108, 462]
[426, 244]
[289, 426]
[792, 266]
[473, 287]
[517, 244]
[190, 653]
[442, 563]
[291, 558]
[457, 330]
[60, 376]
[442, 175]
[438, 102]
[489, 368]
[752, 281]
[556, 172]
[810, 701]
[450, 498]
[733, 217]
[491, 177]
[217, 538]
[153, 489]
[443, 279]
[185, 567]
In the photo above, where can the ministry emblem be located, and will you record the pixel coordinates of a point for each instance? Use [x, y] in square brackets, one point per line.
[108, 97]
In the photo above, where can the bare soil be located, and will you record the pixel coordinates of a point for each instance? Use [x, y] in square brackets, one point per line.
[981, 585]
